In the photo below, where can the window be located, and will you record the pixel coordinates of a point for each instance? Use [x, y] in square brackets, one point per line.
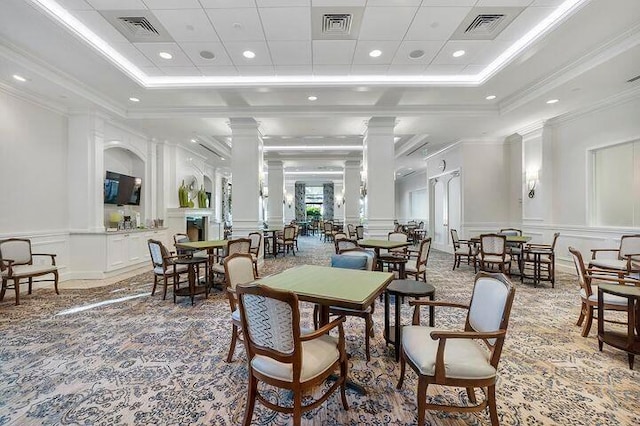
[616, 185]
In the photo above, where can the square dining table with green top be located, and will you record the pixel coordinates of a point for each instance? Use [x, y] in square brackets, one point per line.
[210, 246]
[376, 245]
[273, 230]
[327, 287]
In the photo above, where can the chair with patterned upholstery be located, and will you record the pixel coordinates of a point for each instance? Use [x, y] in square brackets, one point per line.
[627, 259]
[286, 242]
[493, 252]
[238, 269]
[513, 248]
[360, 232]
[344, 244]
[164, 266]
[419, 268]
[463, 249]
[460, 358]
[589, 294]
[327, 232]
[237, 245]
[280, 354]
[351, 230]
[16, 264]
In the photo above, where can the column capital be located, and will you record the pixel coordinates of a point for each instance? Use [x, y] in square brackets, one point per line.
[352, 164]
[381, 125]
[274, 163]
[243, 123]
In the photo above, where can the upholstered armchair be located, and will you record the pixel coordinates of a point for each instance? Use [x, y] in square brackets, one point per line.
[493, 252]
[287, 241]
[418, 267]
[237, 245]
[467, 359]
[627, 259]
[463, 250]
[238, 269]
[165, 268]
[280, 354]
[16, 265]
[547, 260]
[254, 248]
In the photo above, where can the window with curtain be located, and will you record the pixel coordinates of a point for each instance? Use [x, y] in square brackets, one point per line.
[616, 185]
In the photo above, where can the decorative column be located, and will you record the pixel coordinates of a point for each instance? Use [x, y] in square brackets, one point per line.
[246, 163]
[352, 192]
[276, 193]
[378, 156]
[328, 201]
[86, 173]
[300, 201]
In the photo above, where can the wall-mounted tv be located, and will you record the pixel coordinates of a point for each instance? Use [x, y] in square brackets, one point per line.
[122, 189]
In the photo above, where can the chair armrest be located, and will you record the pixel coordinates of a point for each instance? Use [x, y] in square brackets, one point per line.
[595, 251]
[53, 256]
[8, 263]
[435, 335]
[613, 278]
[437, 303]
[323, 330]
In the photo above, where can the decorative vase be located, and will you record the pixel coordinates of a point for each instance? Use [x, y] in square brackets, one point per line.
[202, 198]
[183, 195]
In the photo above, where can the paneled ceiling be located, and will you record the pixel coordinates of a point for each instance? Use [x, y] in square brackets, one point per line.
[307, 87]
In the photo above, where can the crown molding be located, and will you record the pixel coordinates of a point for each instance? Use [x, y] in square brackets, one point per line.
[592, 59]
[611, 101]
[58, 77]
[34, 99]
[530, 128]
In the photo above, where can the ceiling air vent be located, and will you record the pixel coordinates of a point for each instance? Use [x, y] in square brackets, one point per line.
[336, 23]
[485, 23]
[137, 25]
[631, 80]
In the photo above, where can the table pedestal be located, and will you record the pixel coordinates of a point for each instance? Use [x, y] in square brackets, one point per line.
[194, 285]
[629, 341]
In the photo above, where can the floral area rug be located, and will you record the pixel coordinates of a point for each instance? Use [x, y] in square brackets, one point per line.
[117, 355]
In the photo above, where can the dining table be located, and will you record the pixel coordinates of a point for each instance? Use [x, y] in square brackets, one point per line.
[270, 233]
[332, 287]
[212, 247]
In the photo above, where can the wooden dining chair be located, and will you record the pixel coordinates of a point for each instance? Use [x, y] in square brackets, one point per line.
[463, 250]
[493, 253]
[165, 268]
[417, 266]
[280, 355]
[466, 359]
[627, 260]
[238, 269]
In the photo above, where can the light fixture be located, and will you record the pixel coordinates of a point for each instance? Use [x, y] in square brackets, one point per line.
[313, 147]
[458, 53]
[194, 141]
[132, 99]
[222, 158]
[205, 54]
[19, 78]
[490, 97]
[289, 198]
[248, 54]
[340, 200]
[553, 101]
[416, 54]
[313, 98]
[375, 53]
[532, 180]
[165, 55]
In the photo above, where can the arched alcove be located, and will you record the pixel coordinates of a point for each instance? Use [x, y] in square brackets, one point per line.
[124, 160]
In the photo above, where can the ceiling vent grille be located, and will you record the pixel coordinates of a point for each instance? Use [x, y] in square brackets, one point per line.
[336, 24]
[484, 24]
[137, 25]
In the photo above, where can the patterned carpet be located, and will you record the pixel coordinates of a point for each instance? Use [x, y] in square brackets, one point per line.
[147, 361]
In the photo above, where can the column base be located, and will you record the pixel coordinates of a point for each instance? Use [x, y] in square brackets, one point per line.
[242, 228]
[378, 228]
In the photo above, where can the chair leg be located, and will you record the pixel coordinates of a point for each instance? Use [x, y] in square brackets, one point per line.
[587, 324]
[252, 389]
[471, 393]
[166, 283]
[422, 399]
[55, 282]
[155, 283]
[344, 370]
[367, 337]
[297, 407]
[402, 369]
[3, 290]
[491, 400]
[30, 285]
[16, 283]
[234, 339]
[455, 259]
[583, 308]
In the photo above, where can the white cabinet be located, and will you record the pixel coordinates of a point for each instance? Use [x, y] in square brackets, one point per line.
[117, 248]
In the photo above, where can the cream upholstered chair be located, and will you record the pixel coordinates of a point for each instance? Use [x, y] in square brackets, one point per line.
[419, 268]
[254, 248]
[399, 237]
[351, 230]
[463, 249]
[360, 232]
[628, 257]
[547, 260]
[238, 269]
[237, 245]
[493, 252]
[589, 294]
[164, 266]
[16, 264]
[344, 244]
[457, 358]
[280, 354]
[327, 232]
[287, 241]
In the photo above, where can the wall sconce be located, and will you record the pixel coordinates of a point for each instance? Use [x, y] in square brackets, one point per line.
[289, 200]
[532, 180]
[265, 192]
[339, 200]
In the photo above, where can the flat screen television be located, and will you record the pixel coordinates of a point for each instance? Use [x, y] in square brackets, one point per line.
[122, 189]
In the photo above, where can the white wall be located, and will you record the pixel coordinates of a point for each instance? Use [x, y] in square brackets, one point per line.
[407, 189]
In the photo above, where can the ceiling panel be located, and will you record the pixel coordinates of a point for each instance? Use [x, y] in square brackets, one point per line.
[215, 4]
[393, 3]
[449, 3]
[182, 70]
[237, 24]
[472, 48]
[236, 48]
[290, 52]
[293, 69]
[117, 4]
[436, 23]
[364, 47]
[173, 4]
[283, 3]
[193, 52]
[187, 24]
[286, 24]
[134, 55]
[75, 4]
[369, 69]
[331, 69]
[330, 52]
[524, 22]
[405, 69]
[255, 70]
[430, 49]
[505, 3]
[219, 71]
[100, 26]
[152, 50]
[383, 23]
[339, 3]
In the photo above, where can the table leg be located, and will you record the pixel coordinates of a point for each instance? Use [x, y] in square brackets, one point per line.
[386, 316]
[192, 281]
[396, 343]
[401, 272]
[431, 312]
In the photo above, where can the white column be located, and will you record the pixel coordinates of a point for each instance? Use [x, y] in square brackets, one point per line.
[289, 210]
[276, 195]
[86, 173]
[379, 170]
[246, 162]
[352, 192]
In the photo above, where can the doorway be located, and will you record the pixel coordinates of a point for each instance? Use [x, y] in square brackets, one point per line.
[445, 208]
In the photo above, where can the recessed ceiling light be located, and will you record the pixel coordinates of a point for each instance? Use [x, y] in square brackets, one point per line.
[313, 98]
[222, 158]
[248, 54]
[194, 140]
[552, 101]
[375, 53]
[490, 97]
[205, 54]
[416, 54]
[458, 53]
[132, 99]
[165, 55]
[19, 78]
